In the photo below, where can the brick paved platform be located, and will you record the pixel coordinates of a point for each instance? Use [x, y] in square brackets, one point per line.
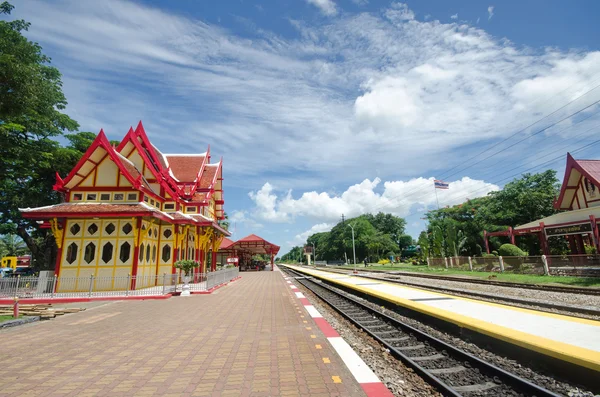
[250, 338]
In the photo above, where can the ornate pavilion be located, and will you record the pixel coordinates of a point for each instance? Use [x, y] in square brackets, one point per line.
[132, 210]
[579, 201]
[245, 248]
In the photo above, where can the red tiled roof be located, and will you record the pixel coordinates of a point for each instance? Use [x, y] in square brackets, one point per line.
[592, 167]
[226, 243]
[252, 237]
[208, 175]
[82, 208]
[185, 168]
[160, 156]
[198, 197]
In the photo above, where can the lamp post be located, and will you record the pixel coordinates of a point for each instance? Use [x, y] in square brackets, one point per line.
[353, 248]
[314, 254]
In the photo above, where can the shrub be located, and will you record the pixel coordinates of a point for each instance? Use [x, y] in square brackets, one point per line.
[495, 253]
[384, 261]
[486, 255]
[186, 266]
[510, 250]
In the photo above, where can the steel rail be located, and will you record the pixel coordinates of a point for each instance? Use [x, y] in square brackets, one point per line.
[351, 309]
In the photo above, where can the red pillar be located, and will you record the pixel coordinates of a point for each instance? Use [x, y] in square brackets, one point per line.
[175, 250]
[485, 240]
[511, 234]
[595, 234]
[544, 240]
[580, 245]
[572, 244]
[136, 251]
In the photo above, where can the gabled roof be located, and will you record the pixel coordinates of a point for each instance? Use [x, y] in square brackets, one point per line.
[588, 168]
[226, 244]
[185, 167]
[182, 177]
[88, 162]
[256, 245]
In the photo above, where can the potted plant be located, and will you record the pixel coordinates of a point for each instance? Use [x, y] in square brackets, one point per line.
[186, 266]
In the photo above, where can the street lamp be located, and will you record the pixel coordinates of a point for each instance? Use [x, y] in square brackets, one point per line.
[353, 249]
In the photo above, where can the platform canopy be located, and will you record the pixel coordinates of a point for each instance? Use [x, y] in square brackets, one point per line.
[255, 245]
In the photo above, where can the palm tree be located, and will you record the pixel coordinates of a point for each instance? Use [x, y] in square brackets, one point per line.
[12, 245]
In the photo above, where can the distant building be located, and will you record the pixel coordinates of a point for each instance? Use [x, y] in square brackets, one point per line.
[579, 201]
[132, 210]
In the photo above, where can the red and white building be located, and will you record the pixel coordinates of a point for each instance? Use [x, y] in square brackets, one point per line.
[131, 210]
[579, 203]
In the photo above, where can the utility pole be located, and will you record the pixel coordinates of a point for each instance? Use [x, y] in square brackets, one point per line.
[314, 254]
[343, 219]
[353, 248]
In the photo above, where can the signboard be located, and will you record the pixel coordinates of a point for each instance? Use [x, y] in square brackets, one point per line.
[233, 260]
[308, 249]
[581, 228]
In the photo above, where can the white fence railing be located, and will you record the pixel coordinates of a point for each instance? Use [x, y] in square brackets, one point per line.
[123, 286]
[551, 264]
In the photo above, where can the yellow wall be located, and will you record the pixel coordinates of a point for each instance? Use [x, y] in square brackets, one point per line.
[167, 234]
[86, 250]
[106, 173]
[148, 255]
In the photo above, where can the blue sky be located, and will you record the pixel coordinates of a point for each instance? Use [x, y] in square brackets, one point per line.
[324, 107]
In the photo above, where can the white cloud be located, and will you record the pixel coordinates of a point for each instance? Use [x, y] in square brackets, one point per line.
[427, 17]
[490, 12]
[397, 197]
[327, 7]
[301, 238]
[361, 2]
[478, 19]
[372, 83]
[455, 16]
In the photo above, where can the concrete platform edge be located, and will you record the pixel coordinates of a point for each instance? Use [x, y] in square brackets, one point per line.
[369, 382]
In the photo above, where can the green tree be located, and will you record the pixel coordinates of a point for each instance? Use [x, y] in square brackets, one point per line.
[224, 223]
[12, 245]
[31, 104]
[404, 241]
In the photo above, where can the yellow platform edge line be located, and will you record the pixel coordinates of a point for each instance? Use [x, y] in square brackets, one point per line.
[515, 308]
[577, 355]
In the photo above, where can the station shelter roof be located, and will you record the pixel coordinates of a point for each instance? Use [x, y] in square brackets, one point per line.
[252, 243]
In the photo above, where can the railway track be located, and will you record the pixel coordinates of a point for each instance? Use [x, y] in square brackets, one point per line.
[451, 371]
[539, 287]
[519, 302]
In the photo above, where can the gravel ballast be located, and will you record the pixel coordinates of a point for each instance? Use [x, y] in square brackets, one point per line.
[374, 353]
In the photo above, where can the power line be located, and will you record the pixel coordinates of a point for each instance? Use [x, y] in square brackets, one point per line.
[524, 129]
[536, 133]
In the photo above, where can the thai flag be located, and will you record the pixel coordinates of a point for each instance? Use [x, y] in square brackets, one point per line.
[440, 184]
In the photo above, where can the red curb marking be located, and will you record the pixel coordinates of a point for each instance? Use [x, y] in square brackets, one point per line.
[376, 390]
[304, 301]
[326, 328]
[76, 300]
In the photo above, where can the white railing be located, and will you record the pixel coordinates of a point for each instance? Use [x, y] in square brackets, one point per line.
[221, 277]
[123, 286]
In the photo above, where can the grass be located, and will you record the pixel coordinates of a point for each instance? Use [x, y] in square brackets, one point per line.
[6, 318]
[508, 277]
